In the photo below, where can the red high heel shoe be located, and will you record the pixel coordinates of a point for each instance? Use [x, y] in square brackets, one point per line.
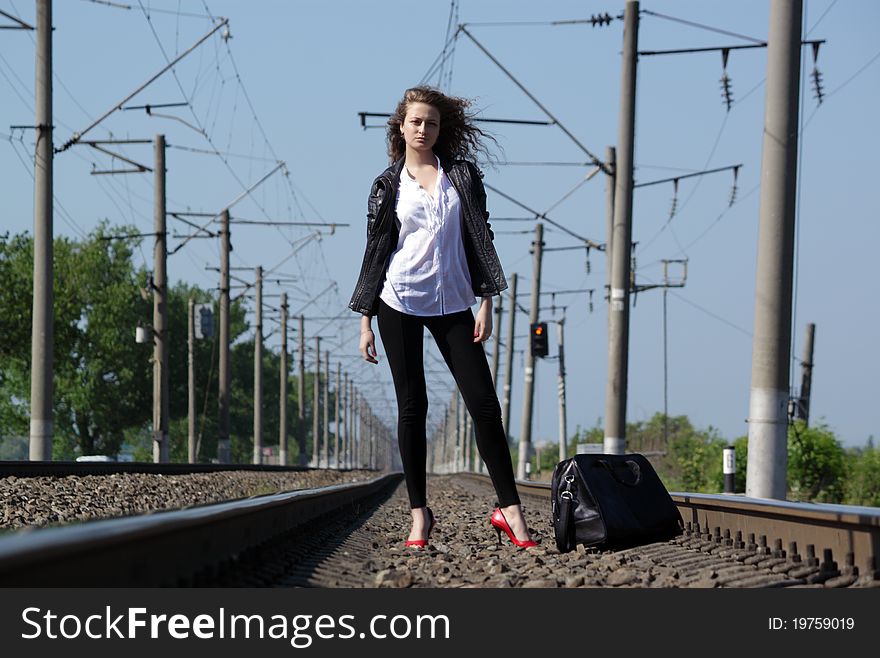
[500, 523]
[421, 543]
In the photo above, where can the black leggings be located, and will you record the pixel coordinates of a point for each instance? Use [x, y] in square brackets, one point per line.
[402, 335]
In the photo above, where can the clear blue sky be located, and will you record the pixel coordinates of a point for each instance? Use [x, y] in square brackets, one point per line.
[289, 83]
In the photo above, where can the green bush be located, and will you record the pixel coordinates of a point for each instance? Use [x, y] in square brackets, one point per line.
[816, 465]
[862, 485]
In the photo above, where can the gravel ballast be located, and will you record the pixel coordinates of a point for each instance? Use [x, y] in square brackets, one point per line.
[41, 501]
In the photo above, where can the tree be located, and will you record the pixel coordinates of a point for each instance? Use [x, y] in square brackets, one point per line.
[99, 371]
[863, 476]
[686, 458]
[816, 467]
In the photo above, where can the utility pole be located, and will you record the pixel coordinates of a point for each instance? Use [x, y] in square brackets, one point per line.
[224, 446]
[349, 428]
[496, 330]
[301, 394]
[258, 369]
[355, 429]
[468, 423]
[325, 452]
[371, 434]
[452, 446]
[362, 430]
[191, 381]
[618, 323]
[316, 386]
[508, 364]
[771, 345]
[460, 436]
[802, 410]
[525, 439]
[282, 393]
[43, 319]
[161, 399]
[344, 462]
[336, 404]
[611, 162]
[563, 447]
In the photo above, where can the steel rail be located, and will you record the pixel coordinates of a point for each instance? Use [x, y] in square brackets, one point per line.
[167, 548]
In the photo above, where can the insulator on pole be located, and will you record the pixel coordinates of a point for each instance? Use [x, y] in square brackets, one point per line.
[734, 188]
[726, 89]
[818, 92]
[674, 205]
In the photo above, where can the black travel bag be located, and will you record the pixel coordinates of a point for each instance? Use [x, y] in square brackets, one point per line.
[611, 501]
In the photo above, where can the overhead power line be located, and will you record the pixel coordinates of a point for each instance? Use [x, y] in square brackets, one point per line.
[77, 136]
[595, 160]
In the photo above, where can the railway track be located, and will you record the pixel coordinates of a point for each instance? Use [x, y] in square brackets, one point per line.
[352, 536]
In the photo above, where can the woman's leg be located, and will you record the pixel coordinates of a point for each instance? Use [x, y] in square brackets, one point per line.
[467, 361]
[402, 336]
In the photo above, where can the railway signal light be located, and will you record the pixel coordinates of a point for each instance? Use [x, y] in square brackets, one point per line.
[539, 339]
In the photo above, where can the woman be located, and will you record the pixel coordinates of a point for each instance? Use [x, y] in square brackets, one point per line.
[429, 255]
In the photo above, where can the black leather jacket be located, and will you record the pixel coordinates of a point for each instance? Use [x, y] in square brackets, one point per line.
[487, 277]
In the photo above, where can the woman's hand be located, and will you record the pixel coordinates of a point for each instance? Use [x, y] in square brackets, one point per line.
[483, 323]
[368, 341]
[368, 346]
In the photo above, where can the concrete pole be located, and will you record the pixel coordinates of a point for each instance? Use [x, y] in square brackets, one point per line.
[301, 394]
[352, 433]
[374, 442]
[611, 162]
[359, 429]
[43, 319]
[460, 436]
[665, 375]
[768, 399]
[191, 382]
[365, 434]
[618, 322]
[525, 439]
[343, 463]
[563, 428]
[468, 442]
[258, 369]
[316, 390]
[496, 330]
[336, 404]
[803, 407]
[325, 448]
[282, 392]
[508, 364]
[224, 446]
[161, 399]
[355, 429]
[439, 445]
[349, 425]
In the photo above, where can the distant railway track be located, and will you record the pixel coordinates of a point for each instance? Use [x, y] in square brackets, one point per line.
[351, 535]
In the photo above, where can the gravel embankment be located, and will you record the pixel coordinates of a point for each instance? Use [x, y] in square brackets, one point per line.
[41, 501]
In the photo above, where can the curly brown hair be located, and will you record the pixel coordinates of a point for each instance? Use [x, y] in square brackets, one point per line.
[459, 138]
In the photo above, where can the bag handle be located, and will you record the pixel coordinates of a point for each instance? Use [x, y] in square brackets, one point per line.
[564, 527]
[633, 468]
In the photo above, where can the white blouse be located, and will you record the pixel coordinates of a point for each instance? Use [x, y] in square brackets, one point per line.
[428, 272]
